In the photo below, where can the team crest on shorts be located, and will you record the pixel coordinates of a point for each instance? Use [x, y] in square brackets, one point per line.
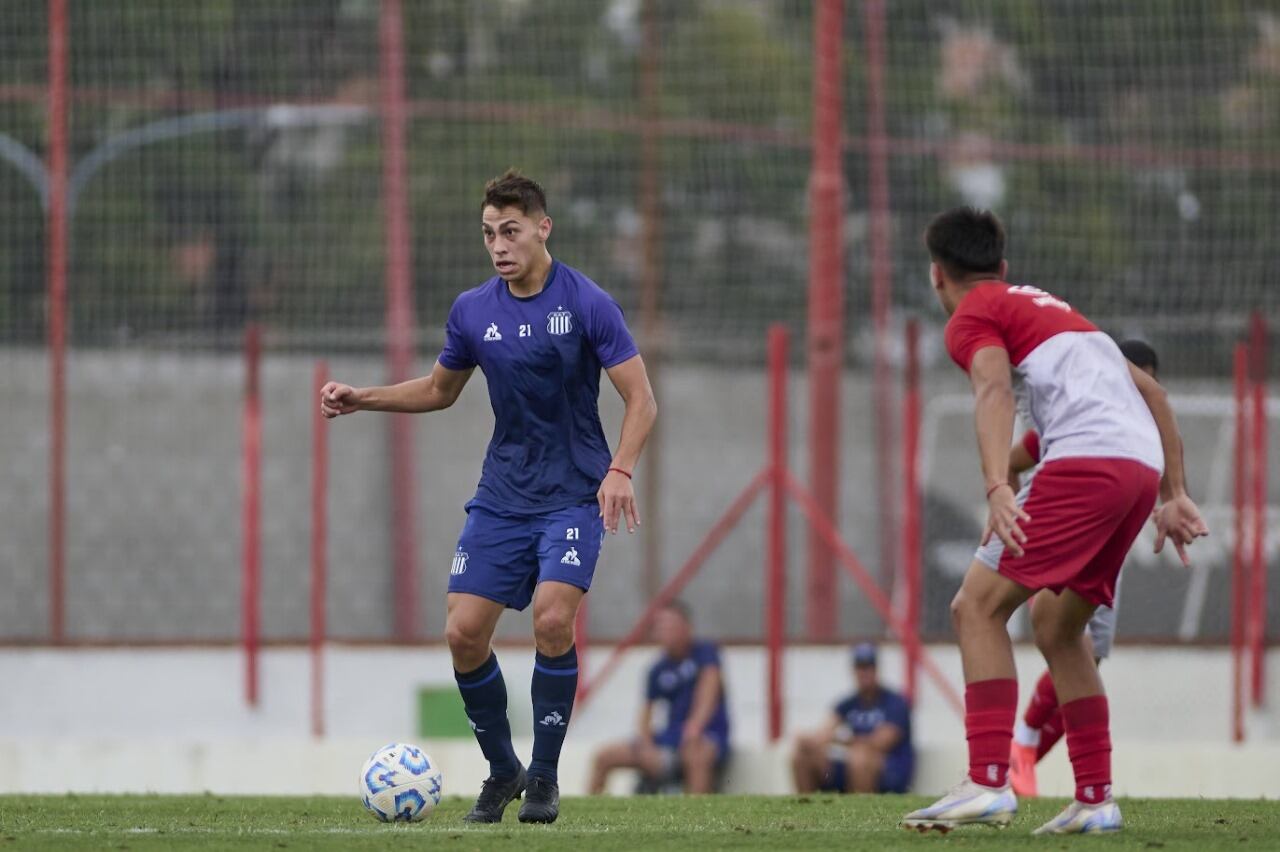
[459, 563]
[559, 321]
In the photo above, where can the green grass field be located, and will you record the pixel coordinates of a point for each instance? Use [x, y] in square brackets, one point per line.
[737, 822]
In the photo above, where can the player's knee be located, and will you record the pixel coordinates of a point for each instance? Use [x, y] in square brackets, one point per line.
[553, 631]
[696, 752]
[1052, 637]
[466, 643]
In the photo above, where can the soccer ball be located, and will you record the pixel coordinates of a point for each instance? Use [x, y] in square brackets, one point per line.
[399, 783]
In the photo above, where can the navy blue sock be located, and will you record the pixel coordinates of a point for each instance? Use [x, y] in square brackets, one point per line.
[484, 693]
[555, 681]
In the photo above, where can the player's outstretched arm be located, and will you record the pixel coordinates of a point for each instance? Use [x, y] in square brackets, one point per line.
[616, 496]
[1178, 517]
[993, 413]
[437, 390]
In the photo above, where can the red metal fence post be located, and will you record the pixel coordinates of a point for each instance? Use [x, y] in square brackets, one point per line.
[57, 317]
[1238, 574]
[775, 599]
[881, 235]
[826, 307]
[319, 547]
[251, 519]
[395, 200]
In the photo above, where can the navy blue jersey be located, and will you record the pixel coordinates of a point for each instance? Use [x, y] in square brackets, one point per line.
[672, 682]
[864, 716]
[541, 357]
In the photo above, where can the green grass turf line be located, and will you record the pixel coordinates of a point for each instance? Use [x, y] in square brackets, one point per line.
[703, 823]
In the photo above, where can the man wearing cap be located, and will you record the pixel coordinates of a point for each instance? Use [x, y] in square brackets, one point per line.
[865, 745]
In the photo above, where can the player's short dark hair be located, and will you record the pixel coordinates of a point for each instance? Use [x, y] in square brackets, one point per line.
[1140, 354]
[965, 240]
[680, 608]
[512, 189]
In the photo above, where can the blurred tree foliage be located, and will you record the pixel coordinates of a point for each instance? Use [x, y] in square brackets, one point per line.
[1022, 105]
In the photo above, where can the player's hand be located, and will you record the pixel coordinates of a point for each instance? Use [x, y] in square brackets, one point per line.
[1179, 521]
[690, 733]
[1003, 514]
[337, 399]
[617, 497]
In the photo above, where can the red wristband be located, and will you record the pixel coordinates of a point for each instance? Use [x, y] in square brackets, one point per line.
[993, 488]
[621, 471]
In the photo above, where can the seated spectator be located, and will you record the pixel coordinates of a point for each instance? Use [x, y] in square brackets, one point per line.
[683, 735]
[865, 746]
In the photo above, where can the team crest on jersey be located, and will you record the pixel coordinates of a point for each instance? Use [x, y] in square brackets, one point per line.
[491, 333]
[559, 321]
[459, 563]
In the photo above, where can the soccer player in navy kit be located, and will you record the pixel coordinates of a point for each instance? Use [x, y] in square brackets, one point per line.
[549, 490]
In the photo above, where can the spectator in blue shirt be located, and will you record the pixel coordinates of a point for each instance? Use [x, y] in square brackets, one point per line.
[865, 746]
[684, 722]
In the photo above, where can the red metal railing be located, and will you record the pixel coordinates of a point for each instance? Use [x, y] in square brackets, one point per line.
[826, 304]
[251, 519]
[777, 478]
[1239, 497]
[57, 290]
[400, 322]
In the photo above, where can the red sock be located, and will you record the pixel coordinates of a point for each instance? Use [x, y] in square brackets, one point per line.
[1050, 732]
[1044, 701]
[1088, 724]
[990, 707]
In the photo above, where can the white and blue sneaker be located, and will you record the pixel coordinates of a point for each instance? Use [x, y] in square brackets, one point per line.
[1079, 818]
[967, 803]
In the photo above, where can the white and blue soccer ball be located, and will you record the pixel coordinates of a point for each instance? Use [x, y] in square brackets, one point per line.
[400, 783]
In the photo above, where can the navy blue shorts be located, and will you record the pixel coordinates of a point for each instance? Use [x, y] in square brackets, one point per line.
[504, 557]
[895, 777]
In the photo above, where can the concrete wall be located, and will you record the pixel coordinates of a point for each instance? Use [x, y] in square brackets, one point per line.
[154, 501]
[115, 711]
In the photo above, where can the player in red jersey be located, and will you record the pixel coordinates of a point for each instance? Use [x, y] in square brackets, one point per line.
[1040, 727]
[1110, 447]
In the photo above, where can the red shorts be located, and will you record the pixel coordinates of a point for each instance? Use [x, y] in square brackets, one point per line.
[1085, 514]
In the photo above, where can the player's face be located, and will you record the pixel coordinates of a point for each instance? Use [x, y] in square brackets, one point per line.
[514, 240]
[672, 632]
[864, 677]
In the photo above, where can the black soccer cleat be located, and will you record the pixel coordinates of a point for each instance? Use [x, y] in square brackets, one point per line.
[541, 801]
[494, 797]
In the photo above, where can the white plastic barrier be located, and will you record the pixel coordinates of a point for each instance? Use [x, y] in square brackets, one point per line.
[281, 766]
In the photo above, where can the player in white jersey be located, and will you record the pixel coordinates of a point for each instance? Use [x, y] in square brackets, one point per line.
[1041, 726]
[1111, 446]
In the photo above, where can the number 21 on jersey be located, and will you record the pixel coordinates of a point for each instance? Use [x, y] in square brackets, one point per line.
[526, 330]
